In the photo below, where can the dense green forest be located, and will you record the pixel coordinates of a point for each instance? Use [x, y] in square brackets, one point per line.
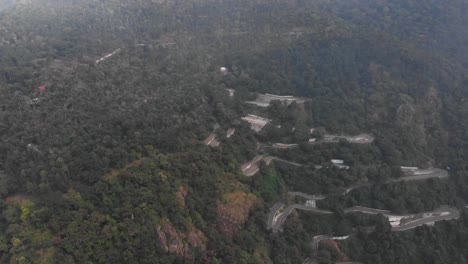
[105, 106]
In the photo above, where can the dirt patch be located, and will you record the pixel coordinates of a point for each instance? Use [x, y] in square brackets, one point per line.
[115, 172]
[18, 198]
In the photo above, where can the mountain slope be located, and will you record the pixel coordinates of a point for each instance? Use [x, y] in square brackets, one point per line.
[104, 107]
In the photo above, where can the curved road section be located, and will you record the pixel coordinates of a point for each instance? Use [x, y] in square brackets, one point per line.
[278, 216]
[264, 100]
[307, 196]
[398, 222]
[421, 174]
[250, 168]
[327, 138]
[359, 139]
[410, 221]
[211, 140]
[415, 174]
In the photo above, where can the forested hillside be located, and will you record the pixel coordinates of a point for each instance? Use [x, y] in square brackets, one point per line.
[433, 25]
[123, 133]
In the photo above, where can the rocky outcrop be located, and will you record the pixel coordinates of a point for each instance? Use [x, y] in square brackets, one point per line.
[172, 241]
[233, 212]
[181, 194]
[334, 245]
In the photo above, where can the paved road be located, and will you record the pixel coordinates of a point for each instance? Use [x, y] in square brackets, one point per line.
[415, 175]
[365, 210]
[315, 244]
[277, 225]
[256, 122]
[108, 56]
[211, 140]
[359, 139]
[307, 196]
[442, 213]
[230, 132]
[289, 162]
[272, 214]
[284, 146]
[264, 100]
[250, 168]
[422, 174]
[317, 239]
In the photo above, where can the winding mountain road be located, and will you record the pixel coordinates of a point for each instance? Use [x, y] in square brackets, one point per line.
[273, 213]
[278, 212]
[422, 174]
[211, 141]
[404, 222]
[250, 168]
[280, 217]
[358, 139]
[442, 213]
[264, 100]
[414, 175]
[277, 217]
[307, 196]
[399, 222]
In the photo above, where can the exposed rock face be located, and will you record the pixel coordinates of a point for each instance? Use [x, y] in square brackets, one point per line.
[172, 241]
[181, 194]
[333, 244]
[234, 211]
[195, 238]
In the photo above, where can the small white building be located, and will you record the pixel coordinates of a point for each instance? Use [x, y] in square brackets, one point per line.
[231, 92]
[311, 203]
[339, 164]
